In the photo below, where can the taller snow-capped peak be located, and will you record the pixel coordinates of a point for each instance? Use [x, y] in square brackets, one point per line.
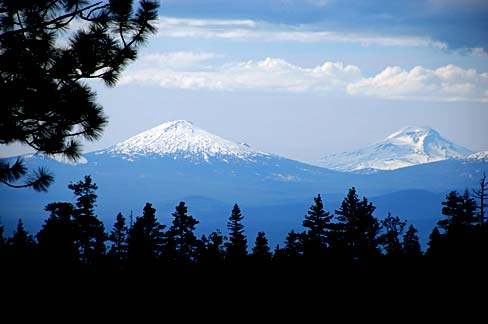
[406, 147]
[180, 138]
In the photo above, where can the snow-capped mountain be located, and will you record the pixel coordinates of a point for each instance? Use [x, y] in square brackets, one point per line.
[482, 156]
[181, 139]
[407, 147]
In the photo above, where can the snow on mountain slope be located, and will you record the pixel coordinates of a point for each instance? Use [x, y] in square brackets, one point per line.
[407, 147]
[482, 156]
[181, 139]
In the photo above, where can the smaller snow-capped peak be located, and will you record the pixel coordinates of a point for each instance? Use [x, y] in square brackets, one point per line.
[181, 138]
[406, 147]
[482, 155]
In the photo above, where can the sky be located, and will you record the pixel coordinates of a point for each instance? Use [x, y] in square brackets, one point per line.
[305, 78]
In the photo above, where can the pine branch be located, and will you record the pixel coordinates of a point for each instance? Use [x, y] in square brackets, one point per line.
[50, 22]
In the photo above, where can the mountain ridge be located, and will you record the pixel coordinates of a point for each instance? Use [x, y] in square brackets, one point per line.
[409, 146]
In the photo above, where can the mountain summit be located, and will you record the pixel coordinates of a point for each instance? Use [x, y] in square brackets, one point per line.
[407, 147]
[180, 139]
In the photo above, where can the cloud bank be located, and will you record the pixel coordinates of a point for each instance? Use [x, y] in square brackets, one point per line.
[188, 70]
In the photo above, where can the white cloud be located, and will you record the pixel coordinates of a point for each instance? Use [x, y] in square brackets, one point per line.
[177, 60]
[270, 74]
[254, 30]
[447, 83]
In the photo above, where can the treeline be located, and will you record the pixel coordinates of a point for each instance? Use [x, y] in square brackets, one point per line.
[351, 238]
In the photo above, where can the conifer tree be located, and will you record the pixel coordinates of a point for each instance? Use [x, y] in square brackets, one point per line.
[90, 230]
[293, 245]
[237, 244]
[57, 237]
[119, 237]
[393, 227]
[48, 49]
[482, 195]
[357, 229]
[411, 246]
[3, 243]
[460, 213]
[318, 222]
[181, 235]
[21, 244]
[145, 238]
[459, 238]
[436, 243]
[261, 251]
[210, 251]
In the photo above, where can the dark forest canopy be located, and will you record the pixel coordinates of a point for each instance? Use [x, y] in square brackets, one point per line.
[73, 236]
[48, 48]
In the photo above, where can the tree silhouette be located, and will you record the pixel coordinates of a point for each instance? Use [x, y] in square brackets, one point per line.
[119, 237]
[261, 251]
[357, 229]
[181, 235]
[3, 243]
[47, 49]
[293, 245]
[411, 246]
[21, 244]
[57, 237]
[435, 243]
[90, 230]
[459, 211]
[318, 222]
[393, 227]
[482, 195]
[460, 239]
[145, 238]
[211, 251]
[237, 245]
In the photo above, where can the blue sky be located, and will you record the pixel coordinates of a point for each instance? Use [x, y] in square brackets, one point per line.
[311, 77]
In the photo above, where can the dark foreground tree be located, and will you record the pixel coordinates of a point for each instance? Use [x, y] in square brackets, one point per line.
[145, 238]
[58, 235]
[357, 229]
[118, 236]
[181, 240]
[261, 251]
[47, 49]
[318, 222]
[393, 228]
[21, 244]
[482, 194]
[237, 244]
[90, 231]
[411, 246]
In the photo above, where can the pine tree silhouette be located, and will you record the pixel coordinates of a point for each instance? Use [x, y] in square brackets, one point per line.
[411, 246]
[390, 240]
[90, 230]
[181, 235]
[58, 235]
[119, 237]
[357, 229]
[316, 238]
[237, 245]
[145, 238]
[261, 251]
[45, 59]
[21, 246]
